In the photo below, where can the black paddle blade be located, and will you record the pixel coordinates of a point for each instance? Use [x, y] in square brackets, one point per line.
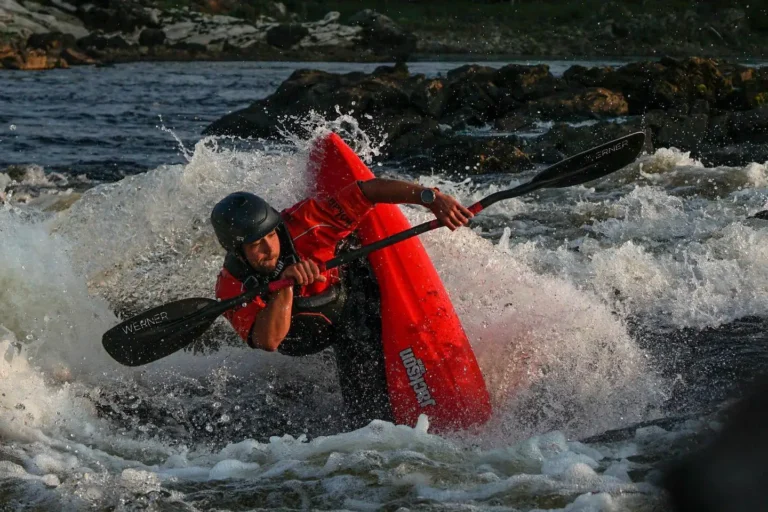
[592, 164]
[160, 332]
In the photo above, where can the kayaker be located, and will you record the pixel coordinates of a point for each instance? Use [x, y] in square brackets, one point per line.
[338, 308]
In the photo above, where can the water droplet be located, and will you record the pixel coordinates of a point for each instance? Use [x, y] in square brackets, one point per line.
[224, 418]
[209, 427]
[12, 127]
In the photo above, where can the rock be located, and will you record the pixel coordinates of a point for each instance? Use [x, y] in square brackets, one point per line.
[152, 37]
[580, 76]
[36, 60]
[331, 17]
[733, 155]
[750, 125]
[255, 121]
[463, 119]
[113, 16]
[528, 82]
[469, 155]
[117, 42]
[421, 116]
[686, 133]
[570, 140]
[415, 139]
[278, 9]
[430, 96]
[472, 72]
[696, 481]
[397, 125]
[513, 122]
[594, 102]
[398, 71]
[51, 41]
[475, 98]
[193, 48]
[286, 35]
[96, 40]
[75, 58]
[10, 57]
[669, 83]
[383, 36]
[378, 96]
[20, 19]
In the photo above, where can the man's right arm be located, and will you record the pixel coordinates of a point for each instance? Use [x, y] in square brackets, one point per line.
[272, 324]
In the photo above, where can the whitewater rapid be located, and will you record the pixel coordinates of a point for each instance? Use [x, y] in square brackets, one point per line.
[544, 285]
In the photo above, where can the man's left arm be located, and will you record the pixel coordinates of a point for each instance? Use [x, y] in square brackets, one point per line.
[447, 209]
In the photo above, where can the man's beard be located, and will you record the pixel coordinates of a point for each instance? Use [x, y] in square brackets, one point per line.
[271, 271]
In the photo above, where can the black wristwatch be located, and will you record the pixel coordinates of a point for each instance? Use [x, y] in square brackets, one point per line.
[428, 196]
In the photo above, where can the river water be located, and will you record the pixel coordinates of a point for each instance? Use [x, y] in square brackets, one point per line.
[641, 297]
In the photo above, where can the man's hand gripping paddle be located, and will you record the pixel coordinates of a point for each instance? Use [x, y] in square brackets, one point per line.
[163, 330]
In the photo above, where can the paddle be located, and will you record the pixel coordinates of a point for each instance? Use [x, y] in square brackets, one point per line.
[163, 330]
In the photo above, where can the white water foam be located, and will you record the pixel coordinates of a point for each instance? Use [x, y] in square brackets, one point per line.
[666, 238]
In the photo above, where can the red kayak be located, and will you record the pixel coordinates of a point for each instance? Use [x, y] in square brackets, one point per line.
[430, 366]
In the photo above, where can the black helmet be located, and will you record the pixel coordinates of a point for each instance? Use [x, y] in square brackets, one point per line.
[242, 218]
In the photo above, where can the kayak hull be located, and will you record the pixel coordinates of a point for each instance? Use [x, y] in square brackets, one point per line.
[430, 366]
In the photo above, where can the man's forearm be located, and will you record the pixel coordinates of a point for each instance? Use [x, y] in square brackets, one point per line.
[379, 190]
[273, 323]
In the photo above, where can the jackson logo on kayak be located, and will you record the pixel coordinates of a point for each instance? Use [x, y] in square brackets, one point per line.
[607, 151]
[142, 324]
[416, 370]
[339, 213]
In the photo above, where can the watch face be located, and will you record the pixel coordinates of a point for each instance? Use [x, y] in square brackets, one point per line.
[427, 196]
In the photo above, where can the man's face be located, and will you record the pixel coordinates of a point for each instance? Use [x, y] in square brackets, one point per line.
[263, 253]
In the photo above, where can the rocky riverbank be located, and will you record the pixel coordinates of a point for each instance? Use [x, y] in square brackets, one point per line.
[104, 31]
[57, 34]
[479, 119]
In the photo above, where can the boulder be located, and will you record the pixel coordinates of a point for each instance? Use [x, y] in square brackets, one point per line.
[415, 140]
[471, 155]
[51, 41]
[115, 16]
[192, 48]
[430, 96]
[580, 76]
[749, 125]
[528, 82]
[686, 133]
[286, 35]
[383, 36]
[152, 37]
[470, 96]
[513, 122]
[669, 83]
[36, 60]
[98, 41]
[93, 41]
[733, 155]
[472, 72]
[570, 140]
[594, 102]
[10, 57]
[76, 58]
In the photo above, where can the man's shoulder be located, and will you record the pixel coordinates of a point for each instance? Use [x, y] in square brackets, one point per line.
[227, 285]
